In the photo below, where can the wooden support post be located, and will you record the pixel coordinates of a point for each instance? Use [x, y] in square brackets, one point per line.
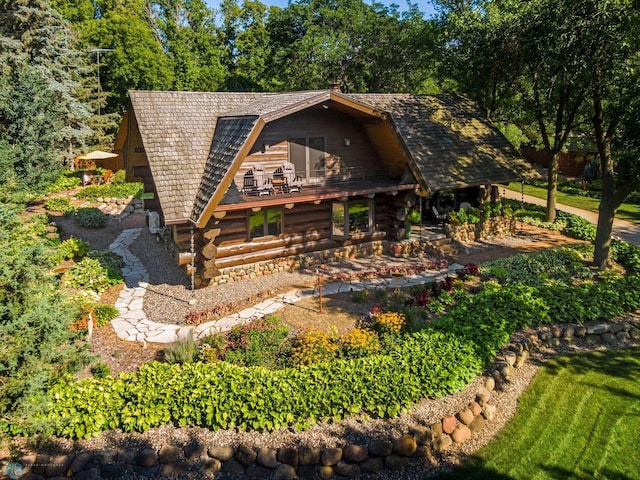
[320, 278]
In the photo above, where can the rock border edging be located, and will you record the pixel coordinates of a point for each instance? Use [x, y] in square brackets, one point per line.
[290, 462]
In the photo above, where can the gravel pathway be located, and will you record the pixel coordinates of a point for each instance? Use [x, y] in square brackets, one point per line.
[169, 292]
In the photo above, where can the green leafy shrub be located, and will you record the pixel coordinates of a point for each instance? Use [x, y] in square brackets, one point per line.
[562, 264]
[184, 350]
[104, 313]
[91, 217]
[91, 274]
[119, 177]
[60, 204]
[112, 190]
[73, 248]
[100, 370]
[577, 227]
[626, 255]
[66, 181]
[221, 395]
[360, 296]
[258, 343]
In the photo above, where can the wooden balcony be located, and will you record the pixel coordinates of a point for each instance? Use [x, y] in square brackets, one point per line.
[274, 189]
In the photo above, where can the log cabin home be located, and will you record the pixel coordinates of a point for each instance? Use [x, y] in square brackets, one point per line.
[242, 179]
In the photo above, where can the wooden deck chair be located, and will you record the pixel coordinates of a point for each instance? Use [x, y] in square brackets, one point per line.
[440, 217]
[249, 184]
[263, 187]
[294, 182]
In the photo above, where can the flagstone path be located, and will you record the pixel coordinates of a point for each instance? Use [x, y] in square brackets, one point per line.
[132, 324]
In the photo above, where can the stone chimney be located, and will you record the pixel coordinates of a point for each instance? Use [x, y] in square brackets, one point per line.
[335, 86]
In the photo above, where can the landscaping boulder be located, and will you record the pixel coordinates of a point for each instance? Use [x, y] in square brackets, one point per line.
[233, 468]
[395, 462]
[441, 443]
[372, 465]
[465, 416]
[245, 455]
[483, 395]
[422, 434]
[349, 470]
[489, 412]
[448, 423]
[461, 433]
[147, 458]
[325, 472]
[266, 457]
[223, 454]
[168, 453]
[59, 465]
[355, 453]
[309, 456]
[331, 456]
[284, 472]
[288, 455]
[477, 424]
[405, 445]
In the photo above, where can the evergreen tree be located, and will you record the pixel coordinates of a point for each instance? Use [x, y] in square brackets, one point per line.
[42, 119]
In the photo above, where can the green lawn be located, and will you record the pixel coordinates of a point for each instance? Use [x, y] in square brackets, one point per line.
[579, 419]
[627, 211]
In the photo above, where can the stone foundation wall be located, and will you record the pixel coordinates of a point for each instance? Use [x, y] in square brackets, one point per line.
[119, 206]
[289, 462]
[405, 248]
[497, 227]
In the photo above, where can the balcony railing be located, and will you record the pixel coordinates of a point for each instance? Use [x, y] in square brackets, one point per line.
[258, 183]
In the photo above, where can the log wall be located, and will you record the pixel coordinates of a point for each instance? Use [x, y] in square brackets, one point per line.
[306, 229]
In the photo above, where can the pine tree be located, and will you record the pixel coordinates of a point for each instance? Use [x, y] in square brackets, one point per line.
[39, 63]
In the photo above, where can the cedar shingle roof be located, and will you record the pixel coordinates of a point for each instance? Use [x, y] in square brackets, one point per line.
[231, 133]
[450, 141]
[177, 129]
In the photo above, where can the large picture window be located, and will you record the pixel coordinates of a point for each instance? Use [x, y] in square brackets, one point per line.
[265, 222]
[352, 218]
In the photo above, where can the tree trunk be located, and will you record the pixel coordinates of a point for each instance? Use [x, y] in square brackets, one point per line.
[552, 187]
[606, 214]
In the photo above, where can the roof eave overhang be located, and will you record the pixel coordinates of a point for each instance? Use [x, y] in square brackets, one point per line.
[218, 194]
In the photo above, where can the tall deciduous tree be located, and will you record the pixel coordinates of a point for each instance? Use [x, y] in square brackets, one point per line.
[246, 42]
[576, 65]
[187, 31]
[364, 47]
[138, 60]
[614, 63]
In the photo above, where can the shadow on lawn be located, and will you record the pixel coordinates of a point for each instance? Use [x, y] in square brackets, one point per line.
[563, 473]
[472, 468]
[624, 363]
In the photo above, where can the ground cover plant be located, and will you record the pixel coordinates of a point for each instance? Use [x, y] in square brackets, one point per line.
[379, 380]
[578, 419]
[114, 189]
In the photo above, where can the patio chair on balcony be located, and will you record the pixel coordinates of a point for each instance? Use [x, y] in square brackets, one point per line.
[263, 187]
[293, 181]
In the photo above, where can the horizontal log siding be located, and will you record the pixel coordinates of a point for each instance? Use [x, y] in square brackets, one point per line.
[306, 228]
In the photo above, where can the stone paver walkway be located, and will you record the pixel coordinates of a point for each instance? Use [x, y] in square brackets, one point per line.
[132, 324]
